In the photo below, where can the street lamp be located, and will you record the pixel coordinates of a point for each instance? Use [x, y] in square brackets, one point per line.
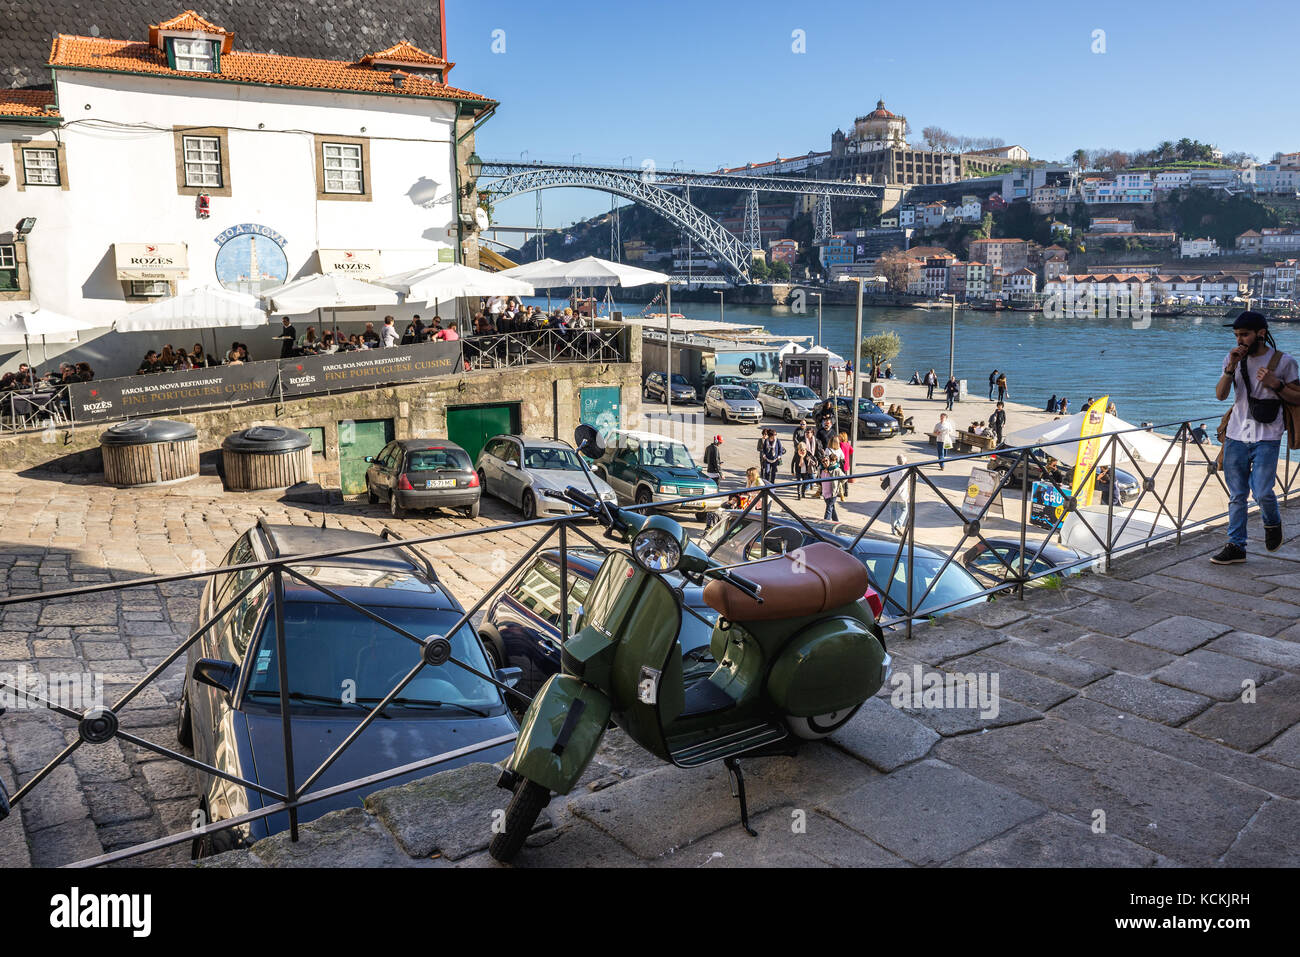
[721, 294]
[857, 334]
[819, 317]
[952, 332]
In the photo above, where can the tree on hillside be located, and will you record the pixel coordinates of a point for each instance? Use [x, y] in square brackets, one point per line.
[880, 348]
[893, 265]
[759, 272]
[1079, 158]
[780, 271]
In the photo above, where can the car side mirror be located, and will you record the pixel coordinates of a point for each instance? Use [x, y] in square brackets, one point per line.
[512, 464]
[509, 676]
[221, 675]
[370, 458]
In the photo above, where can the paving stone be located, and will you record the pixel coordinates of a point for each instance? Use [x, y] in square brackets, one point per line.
[1108, 586]
[884, 737]
[1269, 651]
[1050, 601]
[950, 639]
[104, 651]
[450, 812]
[1179, 635]
[1037, 692]
[62, 612]
[995, 614]
[930, 812]
[68, 843]
[955, 721]
[32, 743]
[1148, 699]
[1233, 602]
[1270, 839]
[135, 629]
[1181, 744]
[347, 838]
[1244, 619]
[1054, 840]
[577, 845]
[1285, 748]
[1110, 617]
[1045, 632]
[13, 843]
[1050, 664]
[1221, 578]
[115, 837]
[819, 769]
[1250, 726]
[116, 803]
[55, 801]
[1117, 654]
[1176, 809]
[1214, 675]
[169, 779]
[99, 762]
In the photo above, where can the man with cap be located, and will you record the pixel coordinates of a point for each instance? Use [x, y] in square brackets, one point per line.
[713, 460]
[1258, 374]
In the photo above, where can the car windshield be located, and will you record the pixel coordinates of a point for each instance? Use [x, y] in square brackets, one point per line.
[800, 392]
[679, 379]
[671, 455]
[953, 585]
[562, 460]
[867, 407]
[336, 654]
[735, 392]
[429, 460]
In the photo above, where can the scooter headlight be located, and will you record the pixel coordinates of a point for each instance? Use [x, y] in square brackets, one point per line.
[656, 550]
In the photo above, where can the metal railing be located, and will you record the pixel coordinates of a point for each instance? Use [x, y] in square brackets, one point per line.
[509, 349]
[1176, 501]
[26, 410]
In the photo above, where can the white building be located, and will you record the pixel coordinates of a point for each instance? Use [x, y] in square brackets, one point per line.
[1173, 179]
[1271, 178]
[1020, 284]
[1198, 248]
[175, 160]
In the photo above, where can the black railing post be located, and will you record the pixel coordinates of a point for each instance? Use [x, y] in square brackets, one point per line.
[1024, 523]
[1182, 477]
[564, 581]
[911, 544]
[1110, 508]
[762, 533]
[286, 724]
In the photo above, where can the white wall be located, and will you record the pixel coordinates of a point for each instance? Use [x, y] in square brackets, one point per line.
[123, 189]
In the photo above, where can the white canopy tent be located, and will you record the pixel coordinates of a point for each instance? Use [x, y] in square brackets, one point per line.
[326, 291]
[453, 281]
[1148, 448]
[24, 325]
[588, 271]
[208, 307]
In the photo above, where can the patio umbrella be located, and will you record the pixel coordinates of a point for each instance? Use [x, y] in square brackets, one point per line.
[1145, 447]
[452, 281]
[326, 291]
[210, 307]
[25, 325]
[589, 271]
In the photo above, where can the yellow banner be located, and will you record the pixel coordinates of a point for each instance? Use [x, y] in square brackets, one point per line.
[1085, 479]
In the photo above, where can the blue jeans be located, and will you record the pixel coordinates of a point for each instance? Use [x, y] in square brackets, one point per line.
[830, 515]
[952, 397]
[1250, 468]
[943, 453]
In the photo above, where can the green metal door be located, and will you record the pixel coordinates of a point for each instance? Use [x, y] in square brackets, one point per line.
[357, 439]
[600, 407]
[470, 426]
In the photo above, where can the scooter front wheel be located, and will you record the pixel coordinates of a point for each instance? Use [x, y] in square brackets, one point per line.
[820, 726]
[521, 815]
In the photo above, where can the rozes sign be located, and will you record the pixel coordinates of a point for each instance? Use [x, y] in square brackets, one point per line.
[357, 370]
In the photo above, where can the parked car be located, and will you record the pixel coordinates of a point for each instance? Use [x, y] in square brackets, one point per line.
[644, 467]
[1042, 466]
[683, 391]
[530, 474]
[732, 403]
[423, 474]
[991, 561]
[739, 540]
[787, 400]
[749, 385]
[522, 626]
[340, 664]
[872, 422]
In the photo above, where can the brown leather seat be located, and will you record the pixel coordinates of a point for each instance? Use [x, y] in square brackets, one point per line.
[806, 581]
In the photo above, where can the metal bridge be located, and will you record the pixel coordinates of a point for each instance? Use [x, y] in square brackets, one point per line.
[652, 188]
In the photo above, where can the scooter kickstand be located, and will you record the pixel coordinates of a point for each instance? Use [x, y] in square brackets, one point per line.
[738, 791]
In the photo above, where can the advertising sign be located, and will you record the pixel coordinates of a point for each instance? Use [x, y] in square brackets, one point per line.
[361, 263]
[1046, 506]
[1085, 478]
[979, 491]
[368, 367]
[144, 395]
[156, 261]
[752, 365]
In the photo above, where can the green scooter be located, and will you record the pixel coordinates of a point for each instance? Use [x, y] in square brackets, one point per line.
[795, 653]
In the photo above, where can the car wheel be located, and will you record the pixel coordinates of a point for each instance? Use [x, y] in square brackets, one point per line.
[490, 649]
[185, 723]
[709, 415]
[371, 497]
[785, 414]
[482, 482]
[645, 394]
[393, 508]
[644, 496]
[529, 506]
[472, 511]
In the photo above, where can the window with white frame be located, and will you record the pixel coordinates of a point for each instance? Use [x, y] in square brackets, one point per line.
[194, 56]
[150, 287]
[202, 161]
[8, 269]
[41, 167]
[343, 172]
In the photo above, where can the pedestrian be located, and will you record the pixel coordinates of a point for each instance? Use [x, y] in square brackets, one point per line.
[846, 453]
[1064, 407]
[1199, 435]
[1002, 387]
[950, 390]
[827, 434]
[771, 451]
[997, 421]
[713, 460]
[898, 507]
[943, 433]
[1051, 404]
[388, 335]
[829, 474]
[931, 382]
[288, 338]
[993, 381]
[802, 464]
[1264, 381]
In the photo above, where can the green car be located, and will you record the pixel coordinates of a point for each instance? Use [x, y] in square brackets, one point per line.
[643, 467]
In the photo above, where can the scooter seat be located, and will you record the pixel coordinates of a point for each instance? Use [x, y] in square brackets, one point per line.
[803, 582]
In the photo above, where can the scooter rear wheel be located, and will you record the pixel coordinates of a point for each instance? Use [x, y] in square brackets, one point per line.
[820, 726]
[521, 815]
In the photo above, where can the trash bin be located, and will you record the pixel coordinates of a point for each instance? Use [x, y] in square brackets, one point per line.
[149, 452]
[266, 456]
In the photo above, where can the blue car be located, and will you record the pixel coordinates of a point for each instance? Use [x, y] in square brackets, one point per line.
[340, 665]
[522, 626]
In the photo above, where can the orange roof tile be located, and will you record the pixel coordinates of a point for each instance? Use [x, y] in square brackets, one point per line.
[190, 22]
[405, 52]
[125, 56]
[26, 103]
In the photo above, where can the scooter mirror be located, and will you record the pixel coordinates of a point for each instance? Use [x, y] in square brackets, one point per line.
[587, 441]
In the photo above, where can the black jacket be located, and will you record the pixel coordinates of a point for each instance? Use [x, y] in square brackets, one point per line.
[712, 458]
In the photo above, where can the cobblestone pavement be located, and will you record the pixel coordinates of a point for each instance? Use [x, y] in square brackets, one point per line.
[1118, 694]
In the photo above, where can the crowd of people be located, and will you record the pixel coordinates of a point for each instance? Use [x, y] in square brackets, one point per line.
[498, 315]
[25, 377]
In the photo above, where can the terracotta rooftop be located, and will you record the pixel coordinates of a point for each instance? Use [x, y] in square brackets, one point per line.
[126, 56]
[26, 103]
[190, 22]
[405, 52]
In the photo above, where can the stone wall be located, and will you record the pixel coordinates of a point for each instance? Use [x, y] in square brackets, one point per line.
[548, 397]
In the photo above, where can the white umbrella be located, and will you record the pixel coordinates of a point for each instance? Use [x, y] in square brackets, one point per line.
[322, 291]
[206, 308]
[453, 281]
[1145, 447]
[589, 271]
[522, 273]
[50, 326]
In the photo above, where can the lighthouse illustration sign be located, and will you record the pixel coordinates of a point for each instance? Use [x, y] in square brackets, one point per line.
[250, 258]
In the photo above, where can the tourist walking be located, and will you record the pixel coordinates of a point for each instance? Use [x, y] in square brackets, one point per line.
[770, 453]
[931, 381]
[950, 390]
[1002, 387]
[997, 421]
[993, 381]
[943, 434]
[898, 507]
[846, 453]
[1262, 379]
[803, 465]
[830, 474]
[713, 460]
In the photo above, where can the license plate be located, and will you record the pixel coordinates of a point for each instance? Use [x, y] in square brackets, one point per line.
[440, 483]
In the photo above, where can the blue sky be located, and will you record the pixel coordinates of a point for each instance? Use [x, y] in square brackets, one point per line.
[716, 82]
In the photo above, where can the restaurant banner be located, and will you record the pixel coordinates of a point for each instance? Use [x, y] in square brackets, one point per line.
[145, 395]
[368, 367]
[1085, 477]
[358, 263]
[151, 261]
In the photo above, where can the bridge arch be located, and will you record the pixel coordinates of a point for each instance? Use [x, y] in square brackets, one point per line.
[702, 228]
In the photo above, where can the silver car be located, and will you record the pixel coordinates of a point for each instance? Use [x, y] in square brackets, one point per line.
[789, 400]
[732, 403]
[531, 473]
